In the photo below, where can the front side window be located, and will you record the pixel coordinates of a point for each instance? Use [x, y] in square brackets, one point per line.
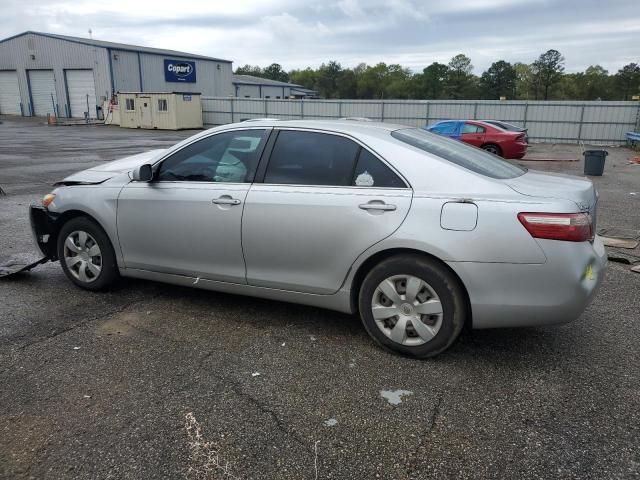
[471, 158]
[310, 158]
[225, 157]
[371, 172]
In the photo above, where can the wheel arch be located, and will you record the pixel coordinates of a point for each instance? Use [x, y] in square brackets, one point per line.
[493, 144]
[69, 215]
[365, 267]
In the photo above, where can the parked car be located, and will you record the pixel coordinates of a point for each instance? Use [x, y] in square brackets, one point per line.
[509, 127]
[483, 135]
[416, 233]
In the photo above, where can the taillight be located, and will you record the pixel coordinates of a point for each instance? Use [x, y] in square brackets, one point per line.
[520, 138]
[571, 227]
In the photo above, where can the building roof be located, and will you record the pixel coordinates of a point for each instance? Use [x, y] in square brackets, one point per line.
[119, 46]
[251, 80]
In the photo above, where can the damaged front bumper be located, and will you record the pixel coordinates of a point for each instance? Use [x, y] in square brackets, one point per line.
[43, 229]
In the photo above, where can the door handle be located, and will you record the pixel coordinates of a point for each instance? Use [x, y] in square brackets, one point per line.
[377, 206]
[226, 201]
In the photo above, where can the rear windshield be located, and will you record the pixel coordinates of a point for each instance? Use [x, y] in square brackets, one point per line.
[457, 152]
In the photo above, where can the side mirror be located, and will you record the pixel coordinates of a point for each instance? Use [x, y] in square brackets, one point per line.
[143, 173]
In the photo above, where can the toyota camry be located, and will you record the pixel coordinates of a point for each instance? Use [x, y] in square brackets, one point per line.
[416, 233]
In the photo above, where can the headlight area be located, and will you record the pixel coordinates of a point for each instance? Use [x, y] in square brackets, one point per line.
[48, 199]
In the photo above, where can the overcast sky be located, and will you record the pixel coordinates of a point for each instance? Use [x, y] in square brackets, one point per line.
[298, 33]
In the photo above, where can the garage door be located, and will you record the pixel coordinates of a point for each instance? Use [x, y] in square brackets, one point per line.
[9, 93]
[82, 91]
[43, 92]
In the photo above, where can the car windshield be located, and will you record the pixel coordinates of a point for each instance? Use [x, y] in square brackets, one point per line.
[457, 152]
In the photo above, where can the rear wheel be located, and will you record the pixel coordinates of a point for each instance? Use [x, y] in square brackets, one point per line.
[86, 254]
[492, 148]
[412, 305]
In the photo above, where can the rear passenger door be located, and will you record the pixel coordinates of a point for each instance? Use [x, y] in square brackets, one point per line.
[473, 134]
[324, 199]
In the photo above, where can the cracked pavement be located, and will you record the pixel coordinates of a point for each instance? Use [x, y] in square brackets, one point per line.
[98, 385]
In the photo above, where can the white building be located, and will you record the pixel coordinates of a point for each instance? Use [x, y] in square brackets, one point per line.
[42, 73]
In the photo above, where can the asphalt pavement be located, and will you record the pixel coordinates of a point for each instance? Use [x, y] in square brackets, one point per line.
[157, 381]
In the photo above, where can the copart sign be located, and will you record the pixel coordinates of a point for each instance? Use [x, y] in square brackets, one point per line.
[179, 71]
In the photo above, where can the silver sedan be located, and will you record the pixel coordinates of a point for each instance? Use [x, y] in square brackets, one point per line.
[416, 233]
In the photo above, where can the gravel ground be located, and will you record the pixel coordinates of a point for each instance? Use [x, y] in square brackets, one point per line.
[157, 381]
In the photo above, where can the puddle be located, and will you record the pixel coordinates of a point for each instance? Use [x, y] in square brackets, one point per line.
[394, 397]
[121, 324]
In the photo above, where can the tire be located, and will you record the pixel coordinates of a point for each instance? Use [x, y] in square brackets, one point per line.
[438, 285]
[78, 238]
[493, 148]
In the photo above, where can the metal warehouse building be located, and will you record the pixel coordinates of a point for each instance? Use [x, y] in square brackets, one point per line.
[43, 73]
[248, 86]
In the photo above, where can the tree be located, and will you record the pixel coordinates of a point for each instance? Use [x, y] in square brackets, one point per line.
[433, 80]
[594, 84]
[307, 78]
[499, 80]
[524, 80]
[347, 84]
[327, 79]
[627, 81]
[250, 70]
[460, 81]
[275, 72]
[547, 71]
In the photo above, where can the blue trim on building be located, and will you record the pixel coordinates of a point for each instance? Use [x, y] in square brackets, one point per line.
[29, 92]
[67, 105]
[113, 84]
[140, 72]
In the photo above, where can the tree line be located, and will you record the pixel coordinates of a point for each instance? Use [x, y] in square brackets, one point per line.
[544, 79]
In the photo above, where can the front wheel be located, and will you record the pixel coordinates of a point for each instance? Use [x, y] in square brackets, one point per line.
[412, 305]
[86, 254]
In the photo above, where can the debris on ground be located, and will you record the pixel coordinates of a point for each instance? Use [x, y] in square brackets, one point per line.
[635, 269]
[617, 242]
[331, 422]
[255, 374]
[16, 266]
[622, 257]
[394, 397]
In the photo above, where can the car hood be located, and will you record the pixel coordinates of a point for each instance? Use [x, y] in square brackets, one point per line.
[104, 172]
[556, 185]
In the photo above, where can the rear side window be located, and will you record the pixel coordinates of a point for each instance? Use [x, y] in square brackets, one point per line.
[371, 172]
[310, 158]
[456, 152]
[470, 128]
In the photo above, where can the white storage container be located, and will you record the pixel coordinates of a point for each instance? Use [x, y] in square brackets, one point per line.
[164, 111]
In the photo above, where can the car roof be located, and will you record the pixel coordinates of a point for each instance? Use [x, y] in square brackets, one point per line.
[341, 126]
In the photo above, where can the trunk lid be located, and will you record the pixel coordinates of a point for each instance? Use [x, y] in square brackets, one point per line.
[558, 185]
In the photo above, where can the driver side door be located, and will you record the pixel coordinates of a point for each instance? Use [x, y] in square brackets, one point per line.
[187, 220]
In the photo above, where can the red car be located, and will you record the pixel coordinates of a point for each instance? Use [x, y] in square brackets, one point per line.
[489, 137]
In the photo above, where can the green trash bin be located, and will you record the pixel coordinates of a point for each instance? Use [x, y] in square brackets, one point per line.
[594, 162]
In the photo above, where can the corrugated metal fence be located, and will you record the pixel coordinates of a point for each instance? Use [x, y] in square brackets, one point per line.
[547, 121]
